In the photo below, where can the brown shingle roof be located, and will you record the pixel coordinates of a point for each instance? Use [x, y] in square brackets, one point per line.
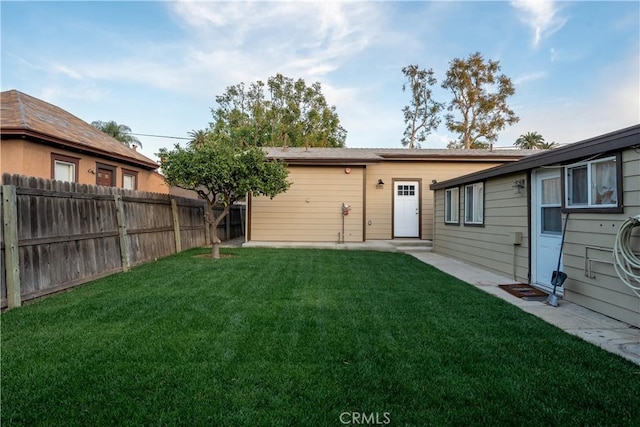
[22, 114]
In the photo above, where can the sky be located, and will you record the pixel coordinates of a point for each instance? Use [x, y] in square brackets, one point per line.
[158, 66]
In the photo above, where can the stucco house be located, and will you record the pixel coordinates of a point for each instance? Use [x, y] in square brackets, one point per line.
[354, 195]
[41, 140]
[510, 219]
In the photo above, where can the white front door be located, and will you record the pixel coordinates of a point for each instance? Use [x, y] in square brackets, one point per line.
[406, 209]
[546, 223]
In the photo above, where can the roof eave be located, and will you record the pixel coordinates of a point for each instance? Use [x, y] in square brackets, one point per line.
[455, 158]
[325, 161]
[50, 139]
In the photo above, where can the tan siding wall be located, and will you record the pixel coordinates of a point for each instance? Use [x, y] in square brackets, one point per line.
[311, 209]
[603, 292]
[31, 159]
[380, 201]
[490, 246]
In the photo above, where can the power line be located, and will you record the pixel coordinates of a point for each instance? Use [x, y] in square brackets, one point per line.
[159, 136]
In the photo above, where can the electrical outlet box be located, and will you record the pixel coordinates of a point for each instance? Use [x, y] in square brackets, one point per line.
[516, 237]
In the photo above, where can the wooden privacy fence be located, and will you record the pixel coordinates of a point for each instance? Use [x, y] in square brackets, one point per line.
[56, 235]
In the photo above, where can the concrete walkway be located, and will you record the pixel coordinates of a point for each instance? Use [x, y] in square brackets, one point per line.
[608, 334]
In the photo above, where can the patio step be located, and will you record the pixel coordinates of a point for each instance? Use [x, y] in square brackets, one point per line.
[412, 245]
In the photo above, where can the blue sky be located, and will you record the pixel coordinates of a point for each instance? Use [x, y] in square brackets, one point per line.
[157, 66]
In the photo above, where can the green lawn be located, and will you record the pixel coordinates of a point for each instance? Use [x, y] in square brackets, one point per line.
[299, 337]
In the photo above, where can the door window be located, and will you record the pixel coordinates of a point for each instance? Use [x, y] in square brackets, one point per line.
[406, 190]
[550, 209]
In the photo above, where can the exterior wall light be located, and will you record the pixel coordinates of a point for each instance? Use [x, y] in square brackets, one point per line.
[518, 186]
[380, 184]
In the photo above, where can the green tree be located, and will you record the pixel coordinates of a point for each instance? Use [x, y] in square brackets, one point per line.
[118, 131]
[474, 145]
[198, 138]
[284, 112]
[421, 116]
[547, 145]
[529, 141]
[223, 173]
[533, 141]
[480, 99]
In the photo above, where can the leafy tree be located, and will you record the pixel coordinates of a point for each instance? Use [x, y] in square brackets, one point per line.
[480, 97]
[284, 112]
[120, 132]
[198, 138]
[421, 116]
[474, 145]
[221, 174]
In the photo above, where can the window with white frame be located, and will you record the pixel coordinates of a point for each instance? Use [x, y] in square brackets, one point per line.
[592, 184]
[474, 204]
[451, 205]
[64, 168]
[129, 182]
[129, 179]
[65, 171]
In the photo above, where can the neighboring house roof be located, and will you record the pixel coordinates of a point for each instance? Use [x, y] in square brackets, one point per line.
[324, 156]
[25, 116]
[613, 141]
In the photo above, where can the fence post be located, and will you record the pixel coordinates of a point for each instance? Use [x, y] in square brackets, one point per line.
[11, 255]
[176, 225]
[122, 232]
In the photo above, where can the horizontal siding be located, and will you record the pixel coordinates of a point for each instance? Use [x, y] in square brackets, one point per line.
[310, 211]
[605, 292]
[379, 218]
[505, 212]
[489, 246]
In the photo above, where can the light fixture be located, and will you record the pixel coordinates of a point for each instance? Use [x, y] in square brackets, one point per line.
[380, 184]
[518, 186]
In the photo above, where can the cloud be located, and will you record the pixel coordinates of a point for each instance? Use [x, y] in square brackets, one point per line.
[224, 43]
[83, 91]
[524, 78]
[600, 109]
[297, 38]
[542, 16]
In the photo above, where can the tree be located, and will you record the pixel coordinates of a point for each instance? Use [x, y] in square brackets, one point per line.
[284, 112]
[533, 141]
[198, 138]
[421, 116]
[120, 132]
[221, 174]
[547, 145]
[456, 145]
[529, 141]
[480, 97]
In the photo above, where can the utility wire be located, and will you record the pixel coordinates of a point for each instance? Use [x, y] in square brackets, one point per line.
[159, 136]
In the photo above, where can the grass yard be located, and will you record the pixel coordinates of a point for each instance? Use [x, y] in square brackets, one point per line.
[300, 337]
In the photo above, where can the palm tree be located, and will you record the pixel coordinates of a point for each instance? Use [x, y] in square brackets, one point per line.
[120, 132]
[198, 138]
[529, 141]
[548, 145]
